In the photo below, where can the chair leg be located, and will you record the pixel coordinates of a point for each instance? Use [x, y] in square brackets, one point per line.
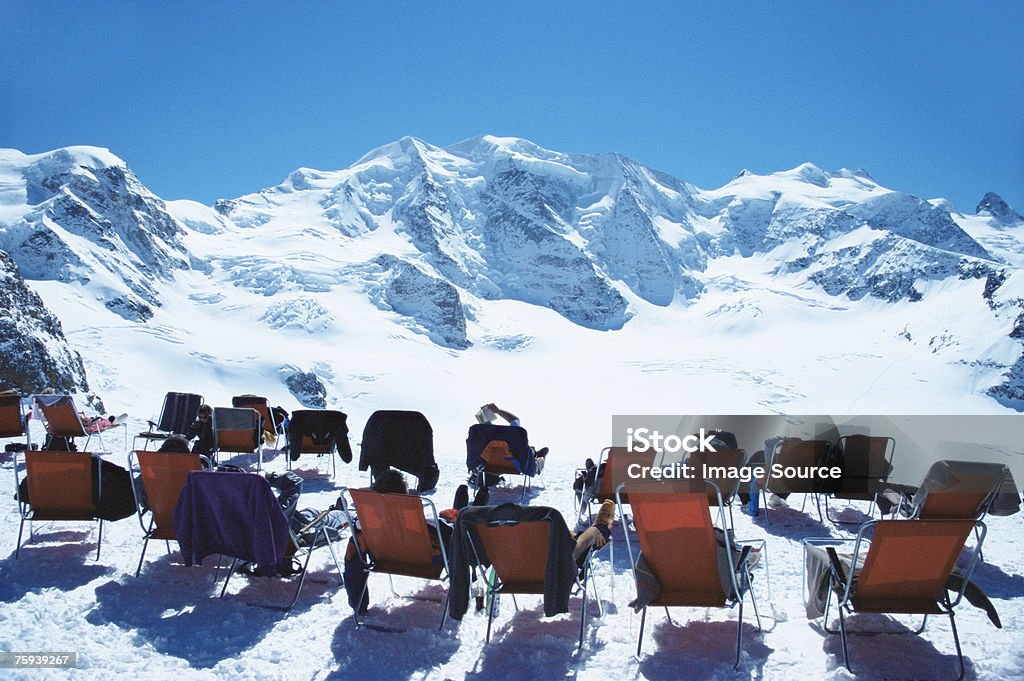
[956, 640]
[583, 619]
[145, 544]
[924, 623]
[231, 570]
[99, 540]
[302, 579]
[490, 617]
[842, 635]
[739, 636]
[444, 611]
[17, 547]
[640, 638]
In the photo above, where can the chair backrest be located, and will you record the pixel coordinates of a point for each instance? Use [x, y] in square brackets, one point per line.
[907, 565]
[798, 454]
[616, 470]
[233, 514]
[12, 420]
[163, 477]
[261, 405]
[60, 415]
[677, 539]
[518, 553]
[316, 431]
[722, 468]
[867, 460]
[396, 533]
[236, 430]
[60, 484]
[958, 489]
[402, 439]
[482, 435]
[179, 412]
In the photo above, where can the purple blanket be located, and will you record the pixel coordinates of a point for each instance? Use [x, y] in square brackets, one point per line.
[233, 514]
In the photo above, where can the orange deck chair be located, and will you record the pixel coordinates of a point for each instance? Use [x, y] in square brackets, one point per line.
[60, 487]
[395, 533]
[237, 431]
[262, 405]
[320, 432]
[61, 417]
[163, 476]
[616, 462]
[12, 417]
[679, 545]
[907, 566]
[518, 553]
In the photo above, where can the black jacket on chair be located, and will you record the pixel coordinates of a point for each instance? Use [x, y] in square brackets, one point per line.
[402, 439]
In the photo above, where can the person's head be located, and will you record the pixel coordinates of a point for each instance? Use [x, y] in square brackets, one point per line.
[205, 412]
[390, 481]
[175, 443]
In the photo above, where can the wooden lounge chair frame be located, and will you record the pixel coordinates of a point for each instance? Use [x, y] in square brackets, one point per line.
[889, 594]
[409, 550]
[60, 487]
[682, 572]
[518, 552]
[163, 475]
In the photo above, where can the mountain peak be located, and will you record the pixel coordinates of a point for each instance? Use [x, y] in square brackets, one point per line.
[404, 147]
[994, 205]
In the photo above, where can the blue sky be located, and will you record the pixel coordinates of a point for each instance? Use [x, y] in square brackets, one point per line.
[210, 100]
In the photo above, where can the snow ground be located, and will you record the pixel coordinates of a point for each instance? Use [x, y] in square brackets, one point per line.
[169, 622]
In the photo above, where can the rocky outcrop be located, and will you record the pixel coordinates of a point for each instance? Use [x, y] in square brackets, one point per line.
[35, 354]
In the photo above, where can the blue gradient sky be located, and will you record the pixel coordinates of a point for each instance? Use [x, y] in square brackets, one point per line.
[216, 101]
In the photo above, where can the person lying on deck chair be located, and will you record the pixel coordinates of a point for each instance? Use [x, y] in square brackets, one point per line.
[512, 420]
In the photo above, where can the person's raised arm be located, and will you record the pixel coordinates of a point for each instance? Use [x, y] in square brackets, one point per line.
[507, 415]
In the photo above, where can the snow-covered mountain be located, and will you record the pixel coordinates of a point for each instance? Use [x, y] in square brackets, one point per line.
[475, 244]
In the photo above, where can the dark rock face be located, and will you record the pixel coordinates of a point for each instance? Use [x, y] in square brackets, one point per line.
[89, 217]
[308, 389]
[433, 303]
[34, 354]
[994, 205]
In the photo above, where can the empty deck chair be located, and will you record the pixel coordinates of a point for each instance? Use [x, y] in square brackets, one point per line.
[238, 431]
[403, 440]
[520, 553]
[177, 415]
[867, 461]
[395, 538]
[163, 477]
[799, 454]
[237, 515]
[960, 490]
[318, 431]
[680, 549]
[271, 427]
[61, 486]
[12, 417]
[905, 571]
[494, 450]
